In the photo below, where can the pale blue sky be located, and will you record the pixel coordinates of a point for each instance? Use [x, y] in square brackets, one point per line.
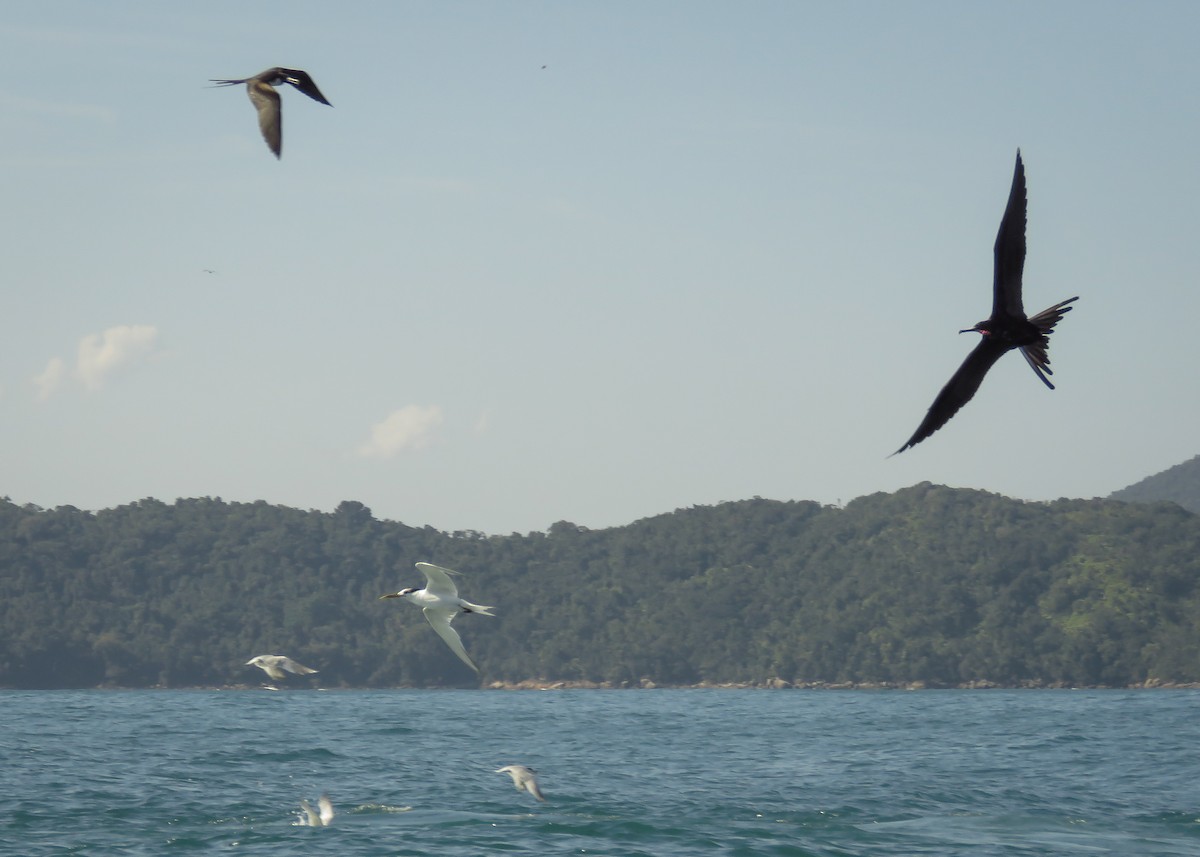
[709, 251]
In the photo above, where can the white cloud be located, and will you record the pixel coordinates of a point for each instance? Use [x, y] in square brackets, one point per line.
[410, 427]
[50, 379]
[101, 353]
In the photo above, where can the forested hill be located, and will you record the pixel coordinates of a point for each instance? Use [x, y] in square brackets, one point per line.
[1179, 484]
[930, 584]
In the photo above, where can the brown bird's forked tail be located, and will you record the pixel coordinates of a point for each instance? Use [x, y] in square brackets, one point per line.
[1035, 355]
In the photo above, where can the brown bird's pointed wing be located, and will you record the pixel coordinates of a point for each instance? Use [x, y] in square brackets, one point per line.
[270, 118]
[1010, 251]
[304, 83]
[958, 390]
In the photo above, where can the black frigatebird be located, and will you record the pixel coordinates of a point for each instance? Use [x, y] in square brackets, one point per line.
[1008, 327]
[261, 89]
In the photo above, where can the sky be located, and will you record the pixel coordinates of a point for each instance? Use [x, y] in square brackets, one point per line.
[588, 261]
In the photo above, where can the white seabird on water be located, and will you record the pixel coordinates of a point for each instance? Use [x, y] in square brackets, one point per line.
[313, 818]
[524, 779]
[440, 602]
[274, 665]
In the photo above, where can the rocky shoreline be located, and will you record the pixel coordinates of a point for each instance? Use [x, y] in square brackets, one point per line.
[782, 684]
[648, 684]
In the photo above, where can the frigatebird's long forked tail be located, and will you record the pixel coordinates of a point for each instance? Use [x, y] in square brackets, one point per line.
[1035, 355]
[1008, 327]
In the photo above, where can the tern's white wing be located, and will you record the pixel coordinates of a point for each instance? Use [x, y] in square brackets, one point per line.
[310, 814]
[439, 620]
[531, 786]
[437, 580]
[326, 806]
[293, 666]
[266, 663]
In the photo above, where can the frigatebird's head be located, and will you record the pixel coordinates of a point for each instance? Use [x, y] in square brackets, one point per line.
[981, 327]
[403, 593]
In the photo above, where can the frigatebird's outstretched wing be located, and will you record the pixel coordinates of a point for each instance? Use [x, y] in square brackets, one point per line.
[958, 390]
[1010, 251]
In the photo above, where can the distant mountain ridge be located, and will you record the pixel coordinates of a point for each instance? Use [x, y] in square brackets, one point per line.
[929, 584]
[1179, 484]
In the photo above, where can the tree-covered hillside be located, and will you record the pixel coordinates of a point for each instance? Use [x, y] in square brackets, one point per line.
[1179, 484]
[928, 584]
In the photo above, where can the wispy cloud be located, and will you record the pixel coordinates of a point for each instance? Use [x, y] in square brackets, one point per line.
[57, 109]
[65, 38]
[50, 378]
[410, 427]
[99, 356]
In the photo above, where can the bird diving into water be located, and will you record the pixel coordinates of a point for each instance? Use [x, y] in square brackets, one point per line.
[320, 817]
[261, 89]
[1008, 327]
[524, 779]
[440, 602]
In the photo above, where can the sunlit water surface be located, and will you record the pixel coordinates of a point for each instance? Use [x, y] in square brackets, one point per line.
[653, 772]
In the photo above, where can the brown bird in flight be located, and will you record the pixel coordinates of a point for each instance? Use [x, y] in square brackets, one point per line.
[1008, 327]
[261, 89]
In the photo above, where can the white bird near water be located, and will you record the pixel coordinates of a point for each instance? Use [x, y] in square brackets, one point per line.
[524, 779]
[313, 818]
[274, 665]
[440, 602]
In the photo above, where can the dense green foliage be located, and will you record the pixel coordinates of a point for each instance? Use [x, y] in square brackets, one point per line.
[928, 584]
[1179, 484]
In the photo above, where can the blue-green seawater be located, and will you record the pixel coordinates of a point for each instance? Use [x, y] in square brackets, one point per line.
[644, 772]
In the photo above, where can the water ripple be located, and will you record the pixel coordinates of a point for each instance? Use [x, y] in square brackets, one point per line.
[664, 773]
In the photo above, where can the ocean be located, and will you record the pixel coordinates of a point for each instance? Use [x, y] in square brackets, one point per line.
[625, 772]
